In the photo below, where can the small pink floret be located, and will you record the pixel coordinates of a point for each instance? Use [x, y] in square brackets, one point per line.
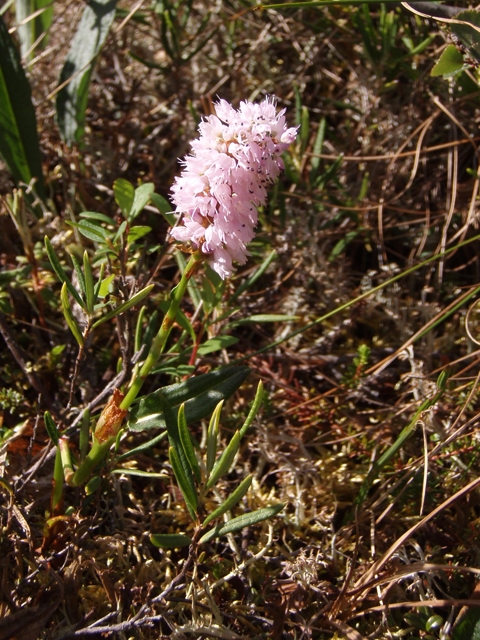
[225, 179]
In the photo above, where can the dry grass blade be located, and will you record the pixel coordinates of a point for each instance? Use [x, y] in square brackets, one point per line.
[377, 566]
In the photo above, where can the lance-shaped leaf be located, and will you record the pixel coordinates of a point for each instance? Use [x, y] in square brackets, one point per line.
[87, 42]
[187, 443]
[138, 297]
[59, 270]
[231, 501]
[224, 462]
[34, 18]
[185, 482]
[80, 277]
[89, 284]
[124, 193]
[51, 427]
[200, 394]
[170, 540]
[19, 145]
[212, 437]
[141, 199]
[175, 440]
[246, 520]
[254, 410]
[69, 317]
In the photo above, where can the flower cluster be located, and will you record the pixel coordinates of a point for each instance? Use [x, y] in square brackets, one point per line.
[224, 180]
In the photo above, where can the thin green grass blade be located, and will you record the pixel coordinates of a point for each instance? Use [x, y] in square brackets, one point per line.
[19, 144]
[405, 434]
[384, 285]
[231, 501]
[254, 277]
[246, 520]
[187, 443]
[87, 42]
[317, 150]
[224, 462]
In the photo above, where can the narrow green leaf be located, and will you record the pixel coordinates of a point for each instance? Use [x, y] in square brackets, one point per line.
[80, 277]
[124, 193]
[137, 344]
[187, 444]
[239, 523]
[200, 393]
[143, 447]
[91, 230]
[141, 199]
[224, 462]
[231, 501]
[92, 485]
[268, 317]
[216, 344]
[139, 473]
[93, 215]
[317, 149]
[164, 207]
[255, 276]
[19, 144]
[138, 297]
[98, 284]
[87, 42]
[69, 317]
[137, 232]
[175, 441]
[61, 275]
[120, 231]
[254, 409]
[212, 437]
[184, 482]
[449, 63]
[89, 284]
[31, 29]
[104, 287]
[51, 427]
[170, 540]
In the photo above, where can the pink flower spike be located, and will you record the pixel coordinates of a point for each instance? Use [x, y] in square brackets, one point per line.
[224, 180]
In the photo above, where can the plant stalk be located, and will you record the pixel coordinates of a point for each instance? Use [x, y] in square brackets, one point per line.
[160, 340]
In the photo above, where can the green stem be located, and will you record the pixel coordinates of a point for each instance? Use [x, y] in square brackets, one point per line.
[96, 454]
[161, 338]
